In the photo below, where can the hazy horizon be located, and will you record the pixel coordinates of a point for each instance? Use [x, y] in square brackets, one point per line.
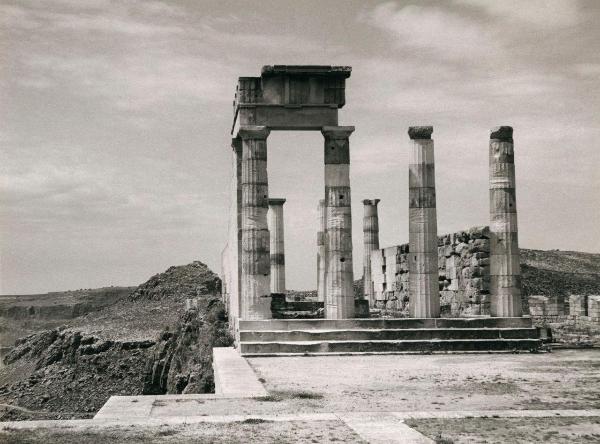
[117, 115]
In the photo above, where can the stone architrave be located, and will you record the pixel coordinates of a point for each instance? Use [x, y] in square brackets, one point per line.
[277, 250]
[321, 252]
[339, 303]
[424, 296]
[371, 243]
[505, 269]
[255, 280]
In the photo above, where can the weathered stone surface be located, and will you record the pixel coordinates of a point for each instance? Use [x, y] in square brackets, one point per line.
[339, 303]
[322, 251]
[277, 249]
[420, 132]
[577, 305]
[255, 261]
[464, 281]
[371, 243]
[505, 282]
[423, 257]
[504, 133]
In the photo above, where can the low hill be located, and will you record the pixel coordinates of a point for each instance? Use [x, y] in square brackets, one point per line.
[559, 273]
[145, 342]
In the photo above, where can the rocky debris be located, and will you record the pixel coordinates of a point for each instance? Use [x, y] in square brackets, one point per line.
[182, 359]
[177, 283]
[71, 371]
[70, 375]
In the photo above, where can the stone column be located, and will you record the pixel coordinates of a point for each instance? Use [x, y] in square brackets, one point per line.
[236, 231]
[255, 280]
[371, 243]
[339, 303]
[321, 252]
[505, 269]
[424, 294]
[277, 245]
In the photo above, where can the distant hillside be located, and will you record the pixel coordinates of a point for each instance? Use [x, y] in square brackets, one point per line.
[21, 315]
[560, 273]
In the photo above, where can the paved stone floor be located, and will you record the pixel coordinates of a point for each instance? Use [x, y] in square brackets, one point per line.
[371, 396]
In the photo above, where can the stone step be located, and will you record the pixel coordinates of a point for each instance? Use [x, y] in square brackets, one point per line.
[391, 346]
[335, 324]
[387, 334]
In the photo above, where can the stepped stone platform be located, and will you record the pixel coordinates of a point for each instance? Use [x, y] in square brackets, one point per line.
[285, 337]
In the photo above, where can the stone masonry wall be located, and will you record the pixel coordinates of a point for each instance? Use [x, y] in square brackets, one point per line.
[464, 270]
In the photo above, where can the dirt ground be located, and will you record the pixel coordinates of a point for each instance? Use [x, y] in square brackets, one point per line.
[509, 430]
[239, 432]
[566, 379]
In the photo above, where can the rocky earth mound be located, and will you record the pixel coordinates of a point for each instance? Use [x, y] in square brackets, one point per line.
[145, 343]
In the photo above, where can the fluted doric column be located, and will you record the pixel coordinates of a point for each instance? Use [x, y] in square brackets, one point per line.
[321, 252]
[371, 243]
[255, 280]
[424, 297]
[275, 220]
[339, 303]
[505, 270]
[235, 268]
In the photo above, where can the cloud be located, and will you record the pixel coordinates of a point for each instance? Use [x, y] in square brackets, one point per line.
[543, 14]
[435, 31]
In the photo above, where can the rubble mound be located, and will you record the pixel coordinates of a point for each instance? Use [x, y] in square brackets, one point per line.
[177, 283]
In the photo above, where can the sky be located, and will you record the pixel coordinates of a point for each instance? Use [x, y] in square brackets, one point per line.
[116, 116]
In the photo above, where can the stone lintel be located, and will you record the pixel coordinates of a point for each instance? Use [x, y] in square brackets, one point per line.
[307, 70]
[502, 133]
[337, 132]
[371, 201]
[276, 201]
[420, 132]
[253, 132]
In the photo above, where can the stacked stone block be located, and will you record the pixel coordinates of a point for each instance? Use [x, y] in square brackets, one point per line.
[593, 308]
[463, 274]
[545, 306]
[577, 305]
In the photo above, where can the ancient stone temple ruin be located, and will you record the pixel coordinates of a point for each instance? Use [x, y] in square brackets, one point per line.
[474, 278]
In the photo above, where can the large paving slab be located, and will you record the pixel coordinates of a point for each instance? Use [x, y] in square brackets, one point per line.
[378, 428]
[233, 375]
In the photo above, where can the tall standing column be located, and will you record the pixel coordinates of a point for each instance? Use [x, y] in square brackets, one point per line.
[235, 267]
[255, 280]
[505, 269]
[371, 243]
[321, 252]
[424, 296]
[339, 302]
[275, 220]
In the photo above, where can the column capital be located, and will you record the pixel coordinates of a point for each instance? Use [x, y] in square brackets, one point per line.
[276, 201]
[253, 132]
[420, 132]
[337, 132]
[502, 133]
[236, 143]
[373, 202]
